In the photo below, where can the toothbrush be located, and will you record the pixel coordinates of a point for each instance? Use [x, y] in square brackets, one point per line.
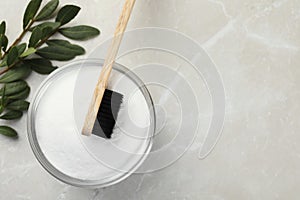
[105, 103]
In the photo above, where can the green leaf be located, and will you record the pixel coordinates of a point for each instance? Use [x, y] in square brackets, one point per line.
[3, 62]
[2, 108]
[77, 50]
[2, 28]
[47, 10]
[31, 11]
[7, 131]
[80, 32]
[20, 95]
[14, 88]
[40, 65]
[47, 31]
[3, 95]
[36, 36]
[67, 13]
[4, 102]
[17, 73]
[21, 48]
[53, 25]
[3, 42]
[12, 56]
[12, 114]
[19, 105]
[28, 52]
[55, 53]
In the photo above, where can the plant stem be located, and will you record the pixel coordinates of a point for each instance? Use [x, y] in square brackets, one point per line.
[18, 40]
[9, 67]
[5, 70]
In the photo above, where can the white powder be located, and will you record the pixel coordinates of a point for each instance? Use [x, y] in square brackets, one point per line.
[91, 158]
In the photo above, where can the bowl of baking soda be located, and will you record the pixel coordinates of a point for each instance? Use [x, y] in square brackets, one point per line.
[56, 117]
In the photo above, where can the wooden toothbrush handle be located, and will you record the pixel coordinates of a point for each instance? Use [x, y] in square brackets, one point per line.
[107, 68]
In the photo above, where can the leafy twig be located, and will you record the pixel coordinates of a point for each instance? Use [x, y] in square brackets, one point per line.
[17, 62]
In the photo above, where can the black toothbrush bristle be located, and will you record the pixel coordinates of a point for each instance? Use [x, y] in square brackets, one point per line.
[107, 114]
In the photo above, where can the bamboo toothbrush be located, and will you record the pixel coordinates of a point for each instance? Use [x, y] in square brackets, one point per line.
[105, 103]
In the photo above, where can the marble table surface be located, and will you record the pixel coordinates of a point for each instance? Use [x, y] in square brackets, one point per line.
[255, 46]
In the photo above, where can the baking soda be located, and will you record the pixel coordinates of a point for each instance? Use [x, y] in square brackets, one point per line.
[59, 120]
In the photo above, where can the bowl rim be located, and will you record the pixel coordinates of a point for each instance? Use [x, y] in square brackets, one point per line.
[31, 132]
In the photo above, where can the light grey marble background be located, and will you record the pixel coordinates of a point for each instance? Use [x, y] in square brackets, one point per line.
[255, 45]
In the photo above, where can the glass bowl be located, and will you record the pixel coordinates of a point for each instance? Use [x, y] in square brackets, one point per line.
[56, 115]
